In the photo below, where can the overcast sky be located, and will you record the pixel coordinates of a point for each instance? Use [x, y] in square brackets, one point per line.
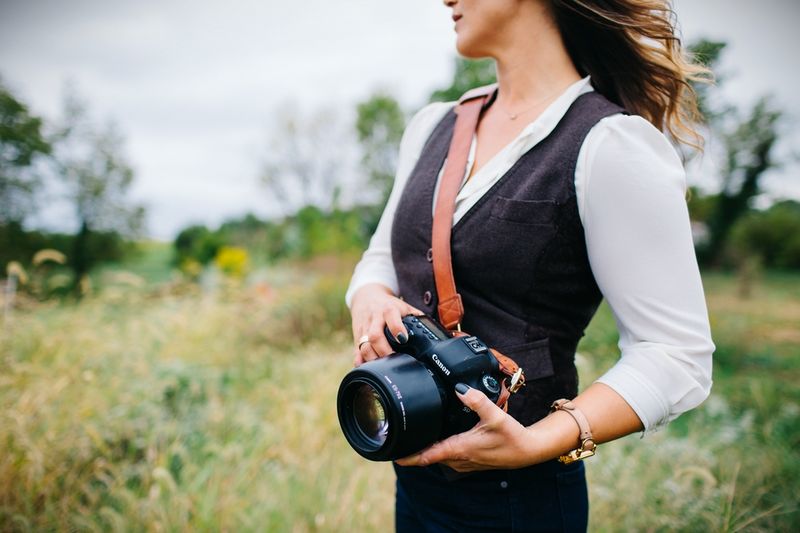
[194, 85]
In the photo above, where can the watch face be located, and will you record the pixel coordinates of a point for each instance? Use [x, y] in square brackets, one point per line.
[435, 329]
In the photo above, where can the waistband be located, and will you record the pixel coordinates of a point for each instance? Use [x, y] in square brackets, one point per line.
[490, 480]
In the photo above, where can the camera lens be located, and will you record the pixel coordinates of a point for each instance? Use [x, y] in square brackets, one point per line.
[370, 414]
[390, 407]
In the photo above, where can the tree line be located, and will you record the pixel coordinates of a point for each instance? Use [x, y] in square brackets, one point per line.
[303, 169]
[71, 162]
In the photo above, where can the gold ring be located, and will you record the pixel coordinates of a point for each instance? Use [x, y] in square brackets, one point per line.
[363, 340]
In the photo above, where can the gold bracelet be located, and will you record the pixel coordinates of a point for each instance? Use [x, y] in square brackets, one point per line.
[587, 447]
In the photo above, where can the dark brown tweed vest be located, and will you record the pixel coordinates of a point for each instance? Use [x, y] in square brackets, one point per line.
[519, 256]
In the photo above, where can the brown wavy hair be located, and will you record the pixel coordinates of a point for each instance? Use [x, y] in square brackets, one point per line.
[635, 58]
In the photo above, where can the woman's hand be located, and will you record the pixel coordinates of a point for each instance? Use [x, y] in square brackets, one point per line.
[373, 307]
[497, 441]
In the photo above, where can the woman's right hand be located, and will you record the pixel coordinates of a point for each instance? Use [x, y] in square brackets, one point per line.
[374, 306]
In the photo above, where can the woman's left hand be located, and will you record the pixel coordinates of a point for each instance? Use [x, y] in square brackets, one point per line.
[497, 441]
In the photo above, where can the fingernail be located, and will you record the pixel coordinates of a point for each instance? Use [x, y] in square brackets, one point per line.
[401, 338]
[461, 388]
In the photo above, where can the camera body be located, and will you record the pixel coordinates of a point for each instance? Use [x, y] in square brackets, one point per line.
[397, 405]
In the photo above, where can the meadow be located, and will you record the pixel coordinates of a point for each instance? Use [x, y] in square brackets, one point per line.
[159, 404]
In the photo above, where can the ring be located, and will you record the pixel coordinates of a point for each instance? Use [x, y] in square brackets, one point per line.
[363, 340]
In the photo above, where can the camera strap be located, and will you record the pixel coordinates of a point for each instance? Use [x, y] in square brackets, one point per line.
[468, 112]
[451, 308]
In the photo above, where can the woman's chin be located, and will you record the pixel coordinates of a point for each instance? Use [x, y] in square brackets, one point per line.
[469, 49]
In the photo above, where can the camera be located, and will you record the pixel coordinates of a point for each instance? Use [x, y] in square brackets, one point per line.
[397, 405]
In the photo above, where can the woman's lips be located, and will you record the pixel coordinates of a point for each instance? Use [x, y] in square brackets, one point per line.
[456, 17]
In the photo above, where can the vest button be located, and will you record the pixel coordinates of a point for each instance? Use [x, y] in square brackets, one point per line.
[429, 255]
[427, 297]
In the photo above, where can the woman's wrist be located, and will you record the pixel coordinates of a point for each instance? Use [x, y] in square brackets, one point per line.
[551, 437]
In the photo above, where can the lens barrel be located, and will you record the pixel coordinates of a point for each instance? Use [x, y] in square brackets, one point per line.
[390, 408]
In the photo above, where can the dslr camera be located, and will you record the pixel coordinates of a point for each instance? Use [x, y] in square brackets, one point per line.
[397, 405]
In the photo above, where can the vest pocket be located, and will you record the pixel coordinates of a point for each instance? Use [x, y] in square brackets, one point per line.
[529, 212]
[534, 358]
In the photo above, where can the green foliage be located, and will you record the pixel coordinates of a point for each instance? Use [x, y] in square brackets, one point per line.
[187, 412]
[469, 74]
[772, 235]
[323, 233]
[701, 206]
[310, 232]
[197, 243]
[749, 147]
[21, 143]
[18, 244]
[380, 124]
[748, 139]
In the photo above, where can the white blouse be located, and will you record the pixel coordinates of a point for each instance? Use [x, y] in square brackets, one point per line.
[630, 186]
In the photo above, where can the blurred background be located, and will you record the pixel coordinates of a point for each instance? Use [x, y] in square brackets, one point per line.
[185, 188]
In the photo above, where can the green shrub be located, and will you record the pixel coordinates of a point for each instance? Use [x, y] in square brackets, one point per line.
[773, 235]
[198, 243]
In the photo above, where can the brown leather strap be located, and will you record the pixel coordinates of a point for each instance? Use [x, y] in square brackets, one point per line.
[451, 309]
[587, 447]
[577, 414]
[468, 111]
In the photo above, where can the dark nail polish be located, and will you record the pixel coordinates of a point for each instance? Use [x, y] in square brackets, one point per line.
[401, 338]
[461, 388]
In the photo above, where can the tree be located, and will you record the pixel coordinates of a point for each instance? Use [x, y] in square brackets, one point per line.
[747, 139]
[306, 161]
[748, 149]
[380, 124]
[21, 144]
[97, 178]
[468, 75]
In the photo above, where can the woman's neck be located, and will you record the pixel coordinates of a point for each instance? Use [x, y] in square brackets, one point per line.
[532, 62]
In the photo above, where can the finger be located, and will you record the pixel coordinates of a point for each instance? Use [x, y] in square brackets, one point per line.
[445, 450]
[411, 310]
[477, 401]
[367, 352]
[377, 338]
[359, 330]
[394, 321]
[358, 360]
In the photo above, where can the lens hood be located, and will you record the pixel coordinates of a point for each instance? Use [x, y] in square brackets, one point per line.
[390, 408]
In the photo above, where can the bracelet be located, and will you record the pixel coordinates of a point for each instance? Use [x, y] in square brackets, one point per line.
[587, 446]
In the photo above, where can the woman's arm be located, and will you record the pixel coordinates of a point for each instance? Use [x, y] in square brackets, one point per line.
[499, 441]
[632, 202]
[371, 295]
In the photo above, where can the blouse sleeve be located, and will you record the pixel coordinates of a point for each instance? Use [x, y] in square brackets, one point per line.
[631, 189]
[376, 264]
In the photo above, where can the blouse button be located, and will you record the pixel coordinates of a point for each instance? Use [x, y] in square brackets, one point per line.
[427, 297]
[429, 255]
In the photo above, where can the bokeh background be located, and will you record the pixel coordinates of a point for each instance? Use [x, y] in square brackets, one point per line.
[185, 188]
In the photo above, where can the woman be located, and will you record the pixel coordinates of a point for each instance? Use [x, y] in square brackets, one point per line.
[572, 193]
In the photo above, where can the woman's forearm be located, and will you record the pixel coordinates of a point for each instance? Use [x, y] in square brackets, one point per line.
[608, 414]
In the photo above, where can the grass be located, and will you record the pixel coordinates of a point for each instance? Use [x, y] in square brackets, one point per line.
[175, 408]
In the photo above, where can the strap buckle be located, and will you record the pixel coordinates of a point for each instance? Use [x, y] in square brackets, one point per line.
[517, 381]
[586, 450]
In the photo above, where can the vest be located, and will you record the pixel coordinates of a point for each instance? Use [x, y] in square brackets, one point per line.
[519, 256]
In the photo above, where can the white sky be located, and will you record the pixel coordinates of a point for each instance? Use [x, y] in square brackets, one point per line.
[193, 84]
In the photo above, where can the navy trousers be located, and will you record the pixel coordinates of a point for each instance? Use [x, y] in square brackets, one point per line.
[545, 497]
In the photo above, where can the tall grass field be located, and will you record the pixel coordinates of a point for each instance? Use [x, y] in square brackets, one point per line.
[176, 406]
